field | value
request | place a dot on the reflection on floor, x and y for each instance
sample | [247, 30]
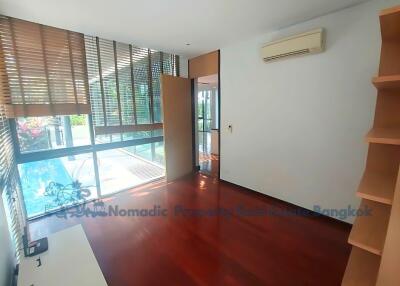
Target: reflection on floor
[236, 249]
[209, 164]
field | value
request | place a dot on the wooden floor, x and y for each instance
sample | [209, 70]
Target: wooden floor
[209, 164]
[214, 250]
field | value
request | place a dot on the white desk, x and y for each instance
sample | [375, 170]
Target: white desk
[69, 261]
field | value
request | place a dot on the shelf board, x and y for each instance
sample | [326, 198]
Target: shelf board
[377, 187]
[362, 268]
[390, 23]
[387, 82]
[369, 231]
[384, 136]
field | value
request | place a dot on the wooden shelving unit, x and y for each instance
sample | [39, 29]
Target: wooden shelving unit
[378, 187]
[369, 231]
[362, 268]
[390, 24]
[387, 82]
[389, 268]
[384, 136]
[375, 257]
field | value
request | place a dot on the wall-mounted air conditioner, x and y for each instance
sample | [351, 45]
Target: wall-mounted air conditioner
[307, 43]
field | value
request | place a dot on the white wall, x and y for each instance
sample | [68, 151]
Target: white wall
[299, 124]
[6, 257]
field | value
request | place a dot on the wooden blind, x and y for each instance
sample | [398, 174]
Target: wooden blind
[124, 83]
[6, 149]
[43, 70]
[12, 200]
[9, 188]
[161, 63]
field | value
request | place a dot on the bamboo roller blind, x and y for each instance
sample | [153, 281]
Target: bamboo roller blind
[42, 70]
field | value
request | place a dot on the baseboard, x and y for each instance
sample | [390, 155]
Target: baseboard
[262, 195]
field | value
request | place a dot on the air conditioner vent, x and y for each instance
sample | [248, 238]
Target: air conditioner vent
[295, 53]
[306, 43]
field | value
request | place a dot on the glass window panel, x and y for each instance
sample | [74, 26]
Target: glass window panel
[136, 135]
[125, 83]
[204, 142]
[158, 132]
[124, 168]
[156, 67]
[207, 125]
[201, 141]
[51, 184]
[143, 151]
[200, 124]
[52, 132]
[108, 138]
[200, 102]
[126, 136]
[141, 85]
[159, 153]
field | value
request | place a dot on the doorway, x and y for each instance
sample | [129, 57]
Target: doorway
[207, 124]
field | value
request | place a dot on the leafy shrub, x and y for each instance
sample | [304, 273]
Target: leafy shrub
[78, 120]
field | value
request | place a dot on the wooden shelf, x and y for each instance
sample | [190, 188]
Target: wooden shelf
[387, 82]
[362, 268]
[390, 261]
[377, 187]
[374, 260]
[390, 23]
[369, 231]
[384, 136]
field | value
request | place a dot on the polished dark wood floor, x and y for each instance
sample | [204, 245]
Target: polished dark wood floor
[209, 164]
[214, 250]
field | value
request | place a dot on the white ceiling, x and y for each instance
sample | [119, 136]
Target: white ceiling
[169, 24]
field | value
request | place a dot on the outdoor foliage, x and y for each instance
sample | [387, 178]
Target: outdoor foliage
[32, 134]
[77, 120]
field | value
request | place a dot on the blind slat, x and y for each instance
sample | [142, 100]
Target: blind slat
[8, 181]
[124, 85]
[43, 65]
